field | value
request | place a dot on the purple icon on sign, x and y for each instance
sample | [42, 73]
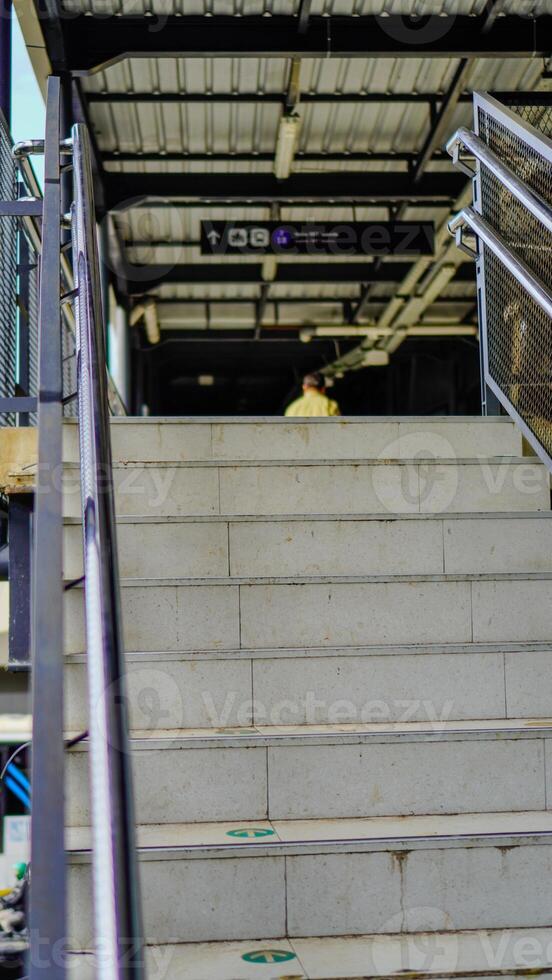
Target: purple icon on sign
[282, 237]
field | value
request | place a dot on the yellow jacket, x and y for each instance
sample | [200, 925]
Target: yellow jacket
[311, 404]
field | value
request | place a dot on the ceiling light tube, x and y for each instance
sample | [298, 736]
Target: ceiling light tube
[286, 145]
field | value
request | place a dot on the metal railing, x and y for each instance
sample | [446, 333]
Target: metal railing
[116, 901]
[75, 289]
[511, 220]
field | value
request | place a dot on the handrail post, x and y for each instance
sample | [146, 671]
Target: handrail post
[47, 915]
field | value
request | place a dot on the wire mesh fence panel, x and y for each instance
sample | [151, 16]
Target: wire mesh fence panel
[8, 275]
[516, 330]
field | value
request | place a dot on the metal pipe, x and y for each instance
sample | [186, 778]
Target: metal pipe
[116, 895]
[47, 913]
[516, 266]
[530, 199]
[6, 60]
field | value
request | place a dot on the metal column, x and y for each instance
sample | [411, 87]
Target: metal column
[47, 916]
[20, 510]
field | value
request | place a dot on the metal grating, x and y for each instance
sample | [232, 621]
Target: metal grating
[8, 275]
[33, 330]
[517, 330]
[69, 365]
[538, 116]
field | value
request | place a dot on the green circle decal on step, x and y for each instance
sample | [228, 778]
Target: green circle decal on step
[269, 956]
[250, 832]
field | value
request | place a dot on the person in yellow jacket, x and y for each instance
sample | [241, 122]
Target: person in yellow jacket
[314, 401]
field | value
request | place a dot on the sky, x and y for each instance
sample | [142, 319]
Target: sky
[28, 111]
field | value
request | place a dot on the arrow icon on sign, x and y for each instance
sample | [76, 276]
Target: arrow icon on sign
[269, 956]
[213, 236]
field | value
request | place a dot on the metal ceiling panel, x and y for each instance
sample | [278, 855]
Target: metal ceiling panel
[240, 8]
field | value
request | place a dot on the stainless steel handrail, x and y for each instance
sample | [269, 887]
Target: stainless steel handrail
[117, 915]
[537, 205]
[534, 286]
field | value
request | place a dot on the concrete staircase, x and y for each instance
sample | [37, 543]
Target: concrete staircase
[338, 640]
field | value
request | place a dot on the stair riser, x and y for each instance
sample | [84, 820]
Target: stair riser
[259, 548]
[332, 894]
[170, 441]
[305, 781]
[265, 490]
[210, 617]
[214, 694]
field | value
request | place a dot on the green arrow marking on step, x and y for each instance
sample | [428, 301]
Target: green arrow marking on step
[269, 956]
[250, 832]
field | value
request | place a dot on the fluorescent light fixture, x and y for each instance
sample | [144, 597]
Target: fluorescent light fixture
[376, 333]
[151, 322]
[375, 358]
[147, 310]
[286, 145]
[136, 314]
[206, 380]
[269, 268]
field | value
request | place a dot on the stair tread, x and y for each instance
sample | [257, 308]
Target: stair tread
[332, 733]
[483, 953]
[332, 579]
[354, 461]
[421, 649]
[281, 420]
[266, 836]
[386, 518]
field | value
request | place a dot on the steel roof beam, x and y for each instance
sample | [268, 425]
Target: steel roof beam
[437, 133]
[299, 301]
[279, 98]
[351, 157]
[439, 130]
[162, 203]
[93, 43]
[253, 98]
[124, 190]
[143, 278]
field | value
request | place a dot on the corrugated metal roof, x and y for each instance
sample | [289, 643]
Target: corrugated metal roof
[341, 126]
[240, 8]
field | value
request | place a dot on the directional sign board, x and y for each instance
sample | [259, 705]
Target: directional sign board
[317, 238]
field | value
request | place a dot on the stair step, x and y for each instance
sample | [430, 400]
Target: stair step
[325, 878]
[169, 439]
[225, 688]
[334, 771]
[192, 614]
[493, 484]
[480, 954]
[333, 545]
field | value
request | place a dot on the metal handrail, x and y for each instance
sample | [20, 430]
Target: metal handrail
[117, 914]
[534, 286]
[530, 199]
